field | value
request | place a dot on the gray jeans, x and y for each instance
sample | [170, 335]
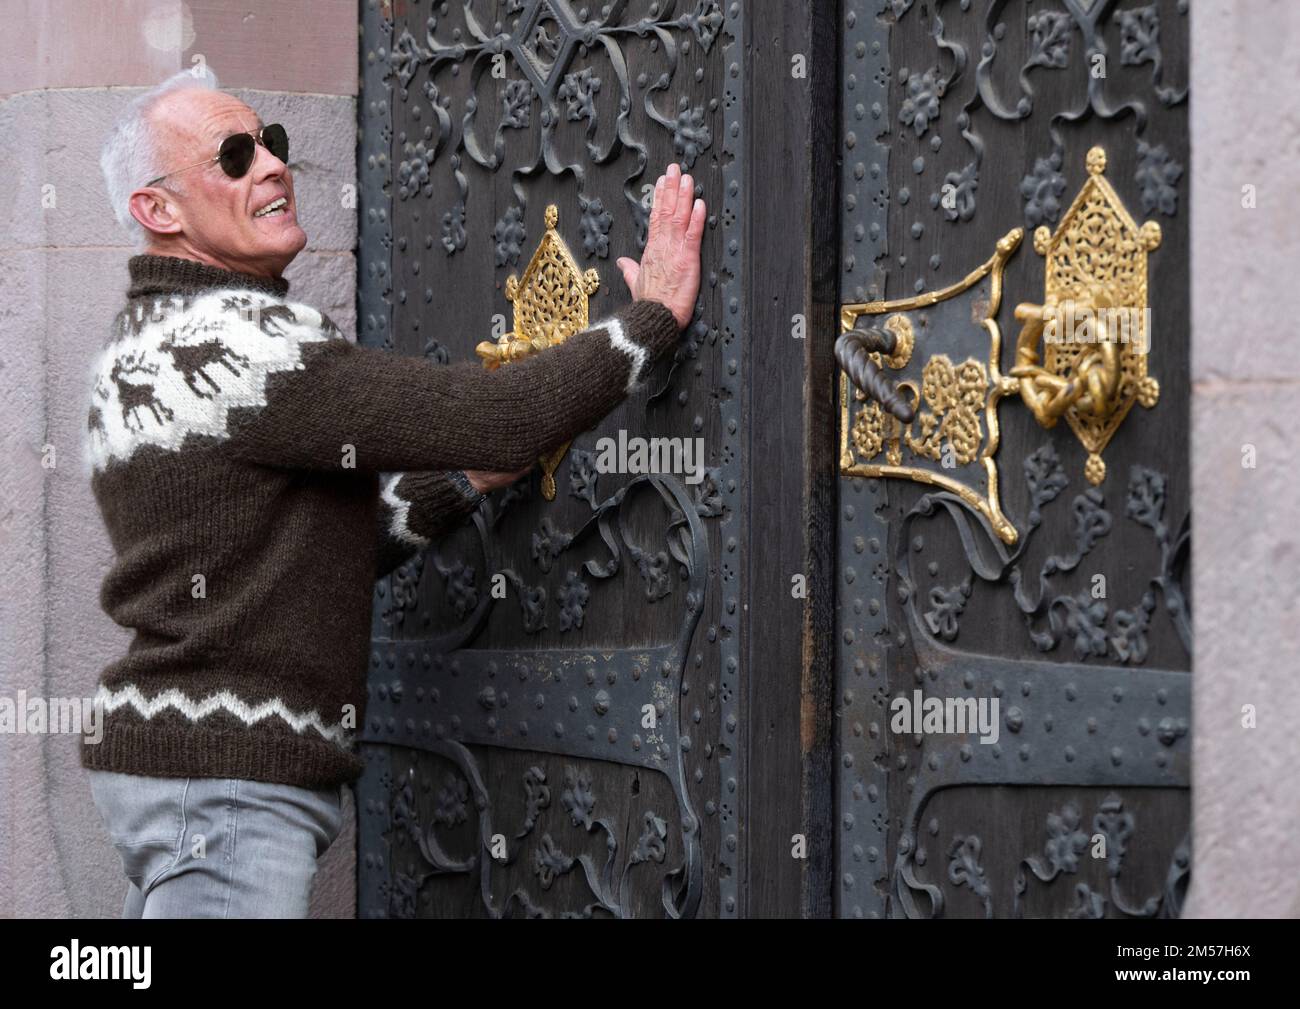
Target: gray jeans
[216, 847]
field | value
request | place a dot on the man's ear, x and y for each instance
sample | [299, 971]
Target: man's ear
[154, 209]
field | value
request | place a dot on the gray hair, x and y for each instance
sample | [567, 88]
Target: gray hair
[129, 155]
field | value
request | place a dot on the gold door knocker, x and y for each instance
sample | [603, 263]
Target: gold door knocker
[1094, 320]
[1081, 354]
[550, 305]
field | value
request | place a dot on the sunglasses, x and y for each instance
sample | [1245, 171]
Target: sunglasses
[237, 151]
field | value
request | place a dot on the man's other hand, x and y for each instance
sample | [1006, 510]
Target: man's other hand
[669, 271]
[486, 481]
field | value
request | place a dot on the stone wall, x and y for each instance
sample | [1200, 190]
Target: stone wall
[1245, 123]
[66, 70]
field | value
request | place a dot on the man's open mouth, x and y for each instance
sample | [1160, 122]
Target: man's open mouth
[276, 206]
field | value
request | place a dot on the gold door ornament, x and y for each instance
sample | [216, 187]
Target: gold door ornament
[1094, 320]
[1095, 333]
[953, 434]
[550, 305]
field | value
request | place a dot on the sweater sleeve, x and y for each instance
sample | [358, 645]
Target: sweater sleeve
[415, 509]
[344, 405]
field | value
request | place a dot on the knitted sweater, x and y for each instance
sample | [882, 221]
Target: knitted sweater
[257, 472]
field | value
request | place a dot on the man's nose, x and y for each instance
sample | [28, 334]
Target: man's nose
[265, 164]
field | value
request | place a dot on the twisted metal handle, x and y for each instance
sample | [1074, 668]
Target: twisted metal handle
[853, 350]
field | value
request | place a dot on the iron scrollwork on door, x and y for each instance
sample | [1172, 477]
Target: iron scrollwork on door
[939, 424]
[579, 706]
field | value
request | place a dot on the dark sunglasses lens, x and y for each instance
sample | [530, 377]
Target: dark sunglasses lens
[236, 154]
[277, 141]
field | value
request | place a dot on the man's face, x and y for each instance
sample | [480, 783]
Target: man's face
[214, 211]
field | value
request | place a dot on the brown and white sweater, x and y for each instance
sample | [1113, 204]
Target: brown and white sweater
[256, 472]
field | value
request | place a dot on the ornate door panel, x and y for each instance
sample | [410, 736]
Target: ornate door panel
[1013, 198]
[553, 708]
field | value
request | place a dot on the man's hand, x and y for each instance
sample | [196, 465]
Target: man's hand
[485, 481]
[669, 271]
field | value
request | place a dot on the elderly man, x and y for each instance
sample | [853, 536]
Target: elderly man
[256, 472]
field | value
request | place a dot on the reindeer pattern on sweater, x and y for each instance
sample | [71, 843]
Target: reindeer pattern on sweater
[176, 365]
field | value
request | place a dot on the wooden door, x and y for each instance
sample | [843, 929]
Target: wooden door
[908, 168]
[555, 691]
[998, 154]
